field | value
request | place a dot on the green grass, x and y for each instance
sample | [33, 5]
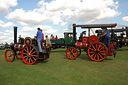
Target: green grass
[58, 70]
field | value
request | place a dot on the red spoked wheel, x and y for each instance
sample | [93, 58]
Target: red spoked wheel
[93, 39]
[9, 55]
[29, 54]
[18, 55]
[97, 51]
[79, 52]
[71, 53]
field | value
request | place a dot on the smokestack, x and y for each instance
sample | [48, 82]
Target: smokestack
[15, 34]
[127, 32]
[74, 32]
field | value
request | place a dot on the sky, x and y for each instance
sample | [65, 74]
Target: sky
[57, 16]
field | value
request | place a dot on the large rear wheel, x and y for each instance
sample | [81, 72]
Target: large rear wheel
[29, 54]
[97, 51]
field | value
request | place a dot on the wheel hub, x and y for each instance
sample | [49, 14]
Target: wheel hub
[96, 51]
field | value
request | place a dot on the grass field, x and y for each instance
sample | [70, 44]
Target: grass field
[58, 70]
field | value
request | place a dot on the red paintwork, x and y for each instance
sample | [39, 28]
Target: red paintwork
[85, 39]
[110, 52]
[70, 51]
[93, 39]
[97, 49]
[81, 45]
[9, 53]
[18, 57]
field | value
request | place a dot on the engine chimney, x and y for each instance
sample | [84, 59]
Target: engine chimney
[15, 34]
[74, 32]
[127, 32]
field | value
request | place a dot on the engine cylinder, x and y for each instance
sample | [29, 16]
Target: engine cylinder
[18, 47]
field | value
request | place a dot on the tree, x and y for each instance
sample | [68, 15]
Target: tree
[6, 45]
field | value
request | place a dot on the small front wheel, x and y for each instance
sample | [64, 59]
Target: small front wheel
[71, 53]
[9, 55]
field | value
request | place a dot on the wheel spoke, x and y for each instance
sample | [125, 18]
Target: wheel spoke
[94, 47]
[92, 55]
[100, 55]
[26, 59]
[102, 48]
[33, 52]
[34, 58]
[31, 60]
[25, 56]
[74, 54]
[91, 48]
[102, 51]
[26, 50]
[97, 56]
[34, 55]
[91, 52]
[99, 47]
[25, 53]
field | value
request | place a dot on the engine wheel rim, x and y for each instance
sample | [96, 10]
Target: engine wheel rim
[79, 52]
[9, 55]
[71, 53]
[29, 54]
[18, 55]
[97, 51]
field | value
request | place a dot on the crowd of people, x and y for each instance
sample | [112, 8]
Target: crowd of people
[40, 39]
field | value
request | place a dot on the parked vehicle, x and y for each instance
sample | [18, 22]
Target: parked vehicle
[96, 50]
[26, 49]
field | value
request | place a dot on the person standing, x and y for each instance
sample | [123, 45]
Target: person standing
[106, 37]
[52, 37]
[56, 37]
[39, 39]
[42, 37]
[48, 42]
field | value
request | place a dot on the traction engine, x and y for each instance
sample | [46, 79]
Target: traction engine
[95, 49]
[26, 49]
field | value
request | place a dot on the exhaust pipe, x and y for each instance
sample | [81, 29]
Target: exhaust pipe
[15, 34]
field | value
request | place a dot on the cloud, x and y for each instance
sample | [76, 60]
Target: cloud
[2, 38]
[6, 25]
[26, 17]
[66, 11]
[6, 4]
[26, 30]
[84, 10]
[125, 18]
